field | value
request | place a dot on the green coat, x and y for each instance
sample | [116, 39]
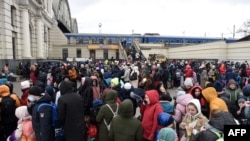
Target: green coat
[125, 127]
[105, 113]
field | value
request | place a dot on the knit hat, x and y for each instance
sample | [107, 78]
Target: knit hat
[218, 86]
[165, 119]
[241, 100]
[22, 112]
[127, 86]
[246, 90]
[167, 134]
[115, 81]
[188, 82]
[50, 90]
[35, 90]
[25, 84]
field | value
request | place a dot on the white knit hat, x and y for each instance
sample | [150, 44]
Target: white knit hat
[127, 86]
[188, 82]
[25, 84]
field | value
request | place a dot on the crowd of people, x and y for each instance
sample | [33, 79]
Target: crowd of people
[97, 101]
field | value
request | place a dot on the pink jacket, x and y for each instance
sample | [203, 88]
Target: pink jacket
[180, 109]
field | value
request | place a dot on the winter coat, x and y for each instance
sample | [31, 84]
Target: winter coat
[24, 96]
[180, 108]
[71, 112]
[105, 113]
[126, 75]
[135, 82]
[215, 103]
[24, 131]
[215, 123]
[42, 119]
[203, 78]
[203, 102]
[86, 92]
[149, 114]
[198, 120]
[125, 127]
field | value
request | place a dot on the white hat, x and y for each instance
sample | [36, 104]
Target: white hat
[127, 86]
[188, 82]
[25, 84]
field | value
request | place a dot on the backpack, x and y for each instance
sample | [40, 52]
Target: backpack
[114, 115]
[91, 131]
[133, 76]
[219, 135]
[55, 121]
[247, 112]
[8, 108]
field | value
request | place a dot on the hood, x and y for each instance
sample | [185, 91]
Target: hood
[231, 81]
[197, 104]
[22, 112]
[184, 99]
[153, 96]
[126, 108]
[66, 87]
[221, 119]
[4, 90]
[188, 67]
[110, 96]
[86, 82]
[50, 90]
[209, 94]
[45, 99]
[192, 90]
[167, 134]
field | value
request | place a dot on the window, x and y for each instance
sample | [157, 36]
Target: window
[65, 54]
[14, 35]
[13, 15]
[78, 53]
[105, 54]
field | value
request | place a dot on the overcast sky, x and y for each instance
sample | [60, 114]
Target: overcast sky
[199, 18]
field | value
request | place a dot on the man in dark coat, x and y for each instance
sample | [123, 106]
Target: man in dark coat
[71, 112]
[42, 117]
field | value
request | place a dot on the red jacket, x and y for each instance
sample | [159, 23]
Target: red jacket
[188, 71]
[150, 114]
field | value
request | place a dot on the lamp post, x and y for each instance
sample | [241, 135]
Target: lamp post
[100, 28]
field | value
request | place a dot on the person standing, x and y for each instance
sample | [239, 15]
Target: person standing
[41, 117]
[71, 112]
[150, 109]
[125, 127]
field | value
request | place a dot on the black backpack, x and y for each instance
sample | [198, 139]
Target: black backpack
[133, 76]
[8, 108]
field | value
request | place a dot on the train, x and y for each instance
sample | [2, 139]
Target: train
[126, 39]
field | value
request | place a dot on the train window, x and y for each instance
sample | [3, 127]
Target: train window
[188, 41]
[199, 41]
[177, 41]
[171, 41]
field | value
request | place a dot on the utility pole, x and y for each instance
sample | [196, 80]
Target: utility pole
[233, 31]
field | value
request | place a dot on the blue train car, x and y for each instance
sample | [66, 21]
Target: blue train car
[126, 39]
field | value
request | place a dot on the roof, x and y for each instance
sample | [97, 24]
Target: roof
[246, 38]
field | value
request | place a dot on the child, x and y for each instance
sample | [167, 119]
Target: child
[193, 120]
[240, 112]
[24, 131]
